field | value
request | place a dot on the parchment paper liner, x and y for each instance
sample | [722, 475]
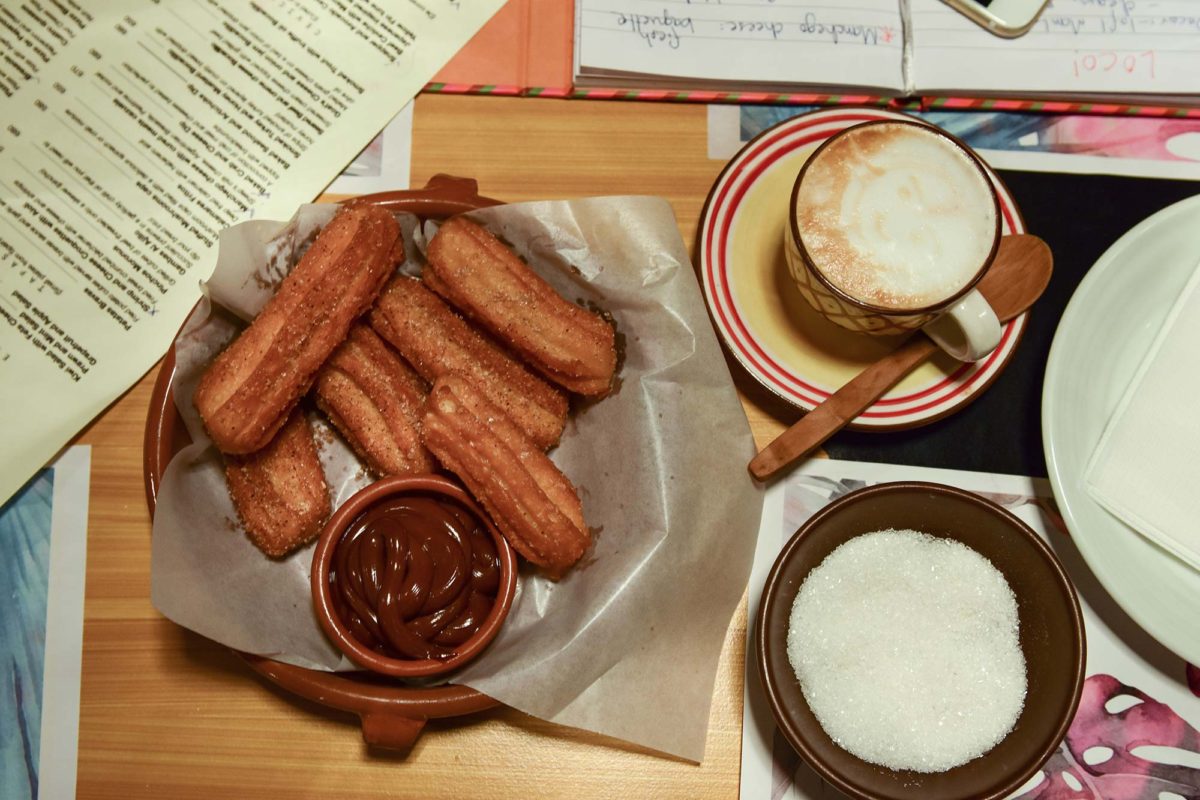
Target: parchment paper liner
[627, 644]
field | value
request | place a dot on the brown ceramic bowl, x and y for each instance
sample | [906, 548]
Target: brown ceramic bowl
[1051, 637]
[425, 485]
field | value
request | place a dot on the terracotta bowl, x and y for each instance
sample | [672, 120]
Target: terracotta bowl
[323, 556]
[1051, 638]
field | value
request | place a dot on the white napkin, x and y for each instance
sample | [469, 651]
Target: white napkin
[1146, 468]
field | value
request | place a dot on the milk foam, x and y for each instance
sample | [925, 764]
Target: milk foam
[896, 216]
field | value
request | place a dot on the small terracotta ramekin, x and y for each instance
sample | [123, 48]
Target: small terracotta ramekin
[336, 528]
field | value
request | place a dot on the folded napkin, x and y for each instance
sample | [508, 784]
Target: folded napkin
[1146, 468]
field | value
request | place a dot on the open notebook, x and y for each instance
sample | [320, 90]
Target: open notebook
[1118, 50]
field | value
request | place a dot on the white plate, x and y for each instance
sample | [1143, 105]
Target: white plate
[1104, 334]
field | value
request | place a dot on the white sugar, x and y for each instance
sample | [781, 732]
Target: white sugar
[907, 650]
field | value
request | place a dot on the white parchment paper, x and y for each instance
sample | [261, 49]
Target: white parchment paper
[626, 644]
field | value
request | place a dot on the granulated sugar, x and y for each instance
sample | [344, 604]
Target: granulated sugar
[906, 647]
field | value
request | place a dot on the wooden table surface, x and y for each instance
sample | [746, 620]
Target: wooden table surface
[166, 713]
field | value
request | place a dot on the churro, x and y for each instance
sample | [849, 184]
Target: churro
[437, 341]
[533, 504]
[485, 280]
[375, 400]
[279, 492]
[247, 393]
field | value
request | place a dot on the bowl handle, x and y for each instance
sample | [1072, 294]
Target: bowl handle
[465, 190]
[390, 731]
[443, 196]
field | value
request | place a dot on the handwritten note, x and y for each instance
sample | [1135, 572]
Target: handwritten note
[1116, 47]
[749, 41]
[1077, 49]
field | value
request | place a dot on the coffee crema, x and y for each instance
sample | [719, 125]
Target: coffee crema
[896, 216]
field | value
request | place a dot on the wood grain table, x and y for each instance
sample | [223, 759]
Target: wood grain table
[166, 713]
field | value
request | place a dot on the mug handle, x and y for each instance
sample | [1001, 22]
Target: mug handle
[968, 330]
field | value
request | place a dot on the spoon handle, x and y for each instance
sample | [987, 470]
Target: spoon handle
[815, 427]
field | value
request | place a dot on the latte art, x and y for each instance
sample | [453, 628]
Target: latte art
[896, 216]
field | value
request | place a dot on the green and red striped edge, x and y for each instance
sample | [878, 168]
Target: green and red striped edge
[789, 98]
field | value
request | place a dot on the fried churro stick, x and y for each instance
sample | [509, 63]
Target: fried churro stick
[375, 400]
[279, 492]
[480, 276]
[246, 394]
[436, 341]
[533, 504]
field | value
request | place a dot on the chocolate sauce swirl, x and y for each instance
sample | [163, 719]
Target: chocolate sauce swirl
[414, 577]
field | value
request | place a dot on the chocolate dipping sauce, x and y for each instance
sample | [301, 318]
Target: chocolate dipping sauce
[414, 576]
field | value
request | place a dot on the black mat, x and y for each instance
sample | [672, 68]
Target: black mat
[1079, 216]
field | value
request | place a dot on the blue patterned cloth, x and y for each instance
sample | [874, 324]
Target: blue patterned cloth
[24, 577]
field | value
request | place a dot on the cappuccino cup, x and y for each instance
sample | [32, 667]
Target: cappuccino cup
[892, 224]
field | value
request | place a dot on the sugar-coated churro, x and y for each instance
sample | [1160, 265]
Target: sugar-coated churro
[437, 341]
[533, 504]
[481, 277]
[247, 393]
[375, 400]
[279, 492]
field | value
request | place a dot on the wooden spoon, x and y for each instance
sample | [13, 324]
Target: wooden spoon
[1014, 282]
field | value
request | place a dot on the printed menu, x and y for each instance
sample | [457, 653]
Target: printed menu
[133, 133]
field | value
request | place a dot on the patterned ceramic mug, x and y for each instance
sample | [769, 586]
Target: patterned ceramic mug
[892, 224]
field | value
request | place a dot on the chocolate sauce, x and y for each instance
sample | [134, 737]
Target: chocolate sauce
[414, 576]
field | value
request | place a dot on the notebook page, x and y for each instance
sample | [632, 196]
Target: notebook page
[1077, 47]
[857, 43]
